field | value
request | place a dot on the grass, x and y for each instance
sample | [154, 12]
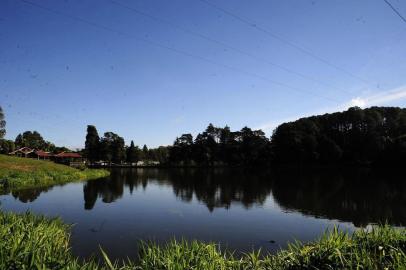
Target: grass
[35, 242]
[22, 173]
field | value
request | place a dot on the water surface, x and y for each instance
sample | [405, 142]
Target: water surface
[239, 209]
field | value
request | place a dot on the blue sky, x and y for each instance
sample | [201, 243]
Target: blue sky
[151, 70]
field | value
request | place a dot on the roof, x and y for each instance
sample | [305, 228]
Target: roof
[41, 153]
[68, 155]
[25, 150]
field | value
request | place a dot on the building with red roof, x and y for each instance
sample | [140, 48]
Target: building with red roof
[39, 154]
[69, 158]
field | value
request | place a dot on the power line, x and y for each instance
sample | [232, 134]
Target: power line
[205, 37]
[160, 45]
[283, 40]
[395, 10]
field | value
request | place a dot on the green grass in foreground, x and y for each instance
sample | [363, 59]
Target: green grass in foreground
[32, 242]
[22, 173]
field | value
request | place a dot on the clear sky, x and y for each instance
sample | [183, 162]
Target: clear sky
[151, 70]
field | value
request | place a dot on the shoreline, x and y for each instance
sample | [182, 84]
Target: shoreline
[27, 239]
[22, 173]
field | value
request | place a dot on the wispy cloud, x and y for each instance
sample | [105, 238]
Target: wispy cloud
[382, 98]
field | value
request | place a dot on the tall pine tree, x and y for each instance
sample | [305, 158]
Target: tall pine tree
[132, 153]
[92, 144]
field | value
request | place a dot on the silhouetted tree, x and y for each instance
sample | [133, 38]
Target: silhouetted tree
[221, 146]
[2, 124]
[92, 144]
[355, 136]
[6, 146]
[112, 148]
[376, 135]
[145, 153]
[132, 153]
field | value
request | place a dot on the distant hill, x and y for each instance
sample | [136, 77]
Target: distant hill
[373, 136]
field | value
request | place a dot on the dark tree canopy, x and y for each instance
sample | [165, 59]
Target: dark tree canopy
[6, 146]
[221, 146]
[376, 135]
[373, 136]
[92, 144]
[112, 148]
[132, 153]
[33, 140]
[2, 124]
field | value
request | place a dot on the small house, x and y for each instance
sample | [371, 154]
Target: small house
[22, 152]
[69, 158]
[39, 154]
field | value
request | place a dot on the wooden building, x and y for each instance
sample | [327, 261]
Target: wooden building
[42, 155]
[69, 158]
[22, 152]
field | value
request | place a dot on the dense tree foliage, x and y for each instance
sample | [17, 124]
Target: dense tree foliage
[6, 146]
[145, 153]
[374, 135]
[92, 144]
[33, 140]
[132, 153]
[2, 124]
[159, 154]
[221, 146]
[112, 148]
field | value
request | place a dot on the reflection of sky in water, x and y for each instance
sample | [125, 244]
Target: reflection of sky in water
[151, 211]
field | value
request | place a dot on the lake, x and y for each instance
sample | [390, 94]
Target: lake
[239, 209]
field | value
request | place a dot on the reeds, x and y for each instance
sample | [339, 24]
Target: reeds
[35, 242]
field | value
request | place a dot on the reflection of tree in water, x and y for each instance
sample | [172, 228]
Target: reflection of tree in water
[360, 197]
[109, 189]
[29, 195]
[216, 188]
[219, 187]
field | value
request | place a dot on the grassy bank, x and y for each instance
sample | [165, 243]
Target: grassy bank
[21, 173]
[31, 242]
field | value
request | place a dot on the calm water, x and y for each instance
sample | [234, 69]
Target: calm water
[238, 209]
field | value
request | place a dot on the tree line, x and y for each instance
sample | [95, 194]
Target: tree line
[376, 135]
[111, 148]
[372, 136]
[221, 146]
